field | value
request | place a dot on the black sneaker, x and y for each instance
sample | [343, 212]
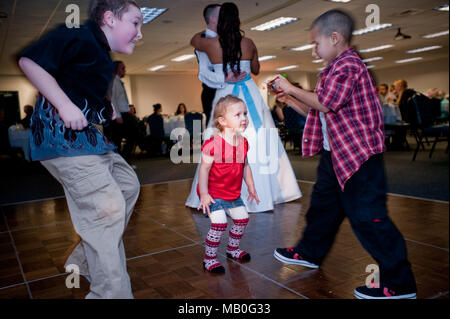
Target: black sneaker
[383, 293]
[290, 256]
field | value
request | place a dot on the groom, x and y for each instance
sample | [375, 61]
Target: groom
[211, 81]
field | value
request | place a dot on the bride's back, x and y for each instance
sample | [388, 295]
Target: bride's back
[247, 47]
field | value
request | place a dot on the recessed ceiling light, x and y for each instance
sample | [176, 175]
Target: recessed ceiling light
[377, 27]
[303, 47]
[266, 57]
[320, 69]
[150, 14]
[158, 67]
[377, 58]
[434, 35]
[289, 67]
[433, 47]
[370, 66]
[273, 24]
[183, 57]
[409, 60]
[381, 47]
[442, 8]
[317, 61]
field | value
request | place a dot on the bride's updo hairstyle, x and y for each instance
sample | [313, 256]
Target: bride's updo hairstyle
[230, 36]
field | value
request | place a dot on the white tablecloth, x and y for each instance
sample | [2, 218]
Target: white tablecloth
[176, 121]
[20, 137]
[391, 114]
[172, 122]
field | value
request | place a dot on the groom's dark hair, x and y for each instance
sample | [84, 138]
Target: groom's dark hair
[208, 11]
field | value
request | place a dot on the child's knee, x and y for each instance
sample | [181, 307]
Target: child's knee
[239, 213]
[112, 207]
[218, 217]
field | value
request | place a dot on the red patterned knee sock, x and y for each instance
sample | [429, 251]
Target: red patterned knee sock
[236, 233]
[212, 245]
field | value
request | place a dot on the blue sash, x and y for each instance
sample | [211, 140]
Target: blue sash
[248, 100]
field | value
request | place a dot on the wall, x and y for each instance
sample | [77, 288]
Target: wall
[169, 90]
[27, 92]
[420, 76]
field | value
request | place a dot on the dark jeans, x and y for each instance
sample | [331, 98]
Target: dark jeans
[363, 201]
[208, 95]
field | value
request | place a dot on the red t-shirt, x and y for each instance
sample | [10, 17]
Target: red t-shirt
[227, 170]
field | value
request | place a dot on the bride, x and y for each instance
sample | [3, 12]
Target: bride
[274, 177]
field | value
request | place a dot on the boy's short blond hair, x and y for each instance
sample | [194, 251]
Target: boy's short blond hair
[98, 7]
[221, 108]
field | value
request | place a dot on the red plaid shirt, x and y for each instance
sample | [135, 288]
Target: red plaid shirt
[355, 121]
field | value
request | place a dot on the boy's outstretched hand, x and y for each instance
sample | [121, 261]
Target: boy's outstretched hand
[205, 201]
[282, 86]
[252, 196]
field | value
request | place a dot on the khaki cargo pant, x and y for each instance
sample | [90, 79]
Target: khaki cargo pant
[101, 191]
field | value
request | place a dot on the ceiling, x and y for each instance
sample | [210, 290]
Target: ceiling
[168, 36]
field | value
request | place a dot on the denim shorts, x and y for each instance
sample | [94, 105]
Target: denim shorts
[225, 204]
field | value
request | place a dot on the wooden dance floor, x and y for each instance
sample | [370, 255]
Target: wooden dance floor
[164, 247]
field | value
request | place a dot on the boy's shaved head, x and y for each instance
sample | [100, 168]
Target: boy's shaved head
[334, 21]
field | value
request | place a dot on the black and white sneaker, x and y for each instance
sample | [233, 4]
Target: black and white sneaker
[383, 293]
[290, 256]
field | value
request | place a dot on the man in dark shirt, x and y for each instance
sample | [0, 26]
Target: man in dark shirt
[28, 109]
[404, 94]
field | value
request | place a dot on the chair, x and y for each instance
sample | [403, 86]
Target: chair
[422, 118]
[189, 120]
[155, 139]
[294, 124]
[436, 107]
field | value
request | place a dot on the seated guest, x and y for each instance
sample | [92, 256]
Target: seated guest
[432, 93]
[386, 98]
[392, 91]
[181, 110]
[403, 95]
[28, 109]
[277, 112]
[444, 104]
[156, 124]
[156, 121]
[435, 102]
[130, 131]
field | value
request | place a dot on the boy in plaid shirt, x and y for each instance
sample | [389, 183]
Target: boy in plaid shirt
[345, 124]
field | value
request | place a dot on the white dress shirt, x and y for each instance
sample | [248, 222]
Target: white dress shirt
[326, 142]
[119, 97]
[206, 74]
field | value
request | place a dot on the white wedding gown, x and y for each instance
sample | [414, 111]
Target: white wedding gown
[273, 175]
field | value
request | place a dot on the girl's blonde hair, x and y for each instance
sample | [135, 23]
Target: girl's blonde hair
[221, 108]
